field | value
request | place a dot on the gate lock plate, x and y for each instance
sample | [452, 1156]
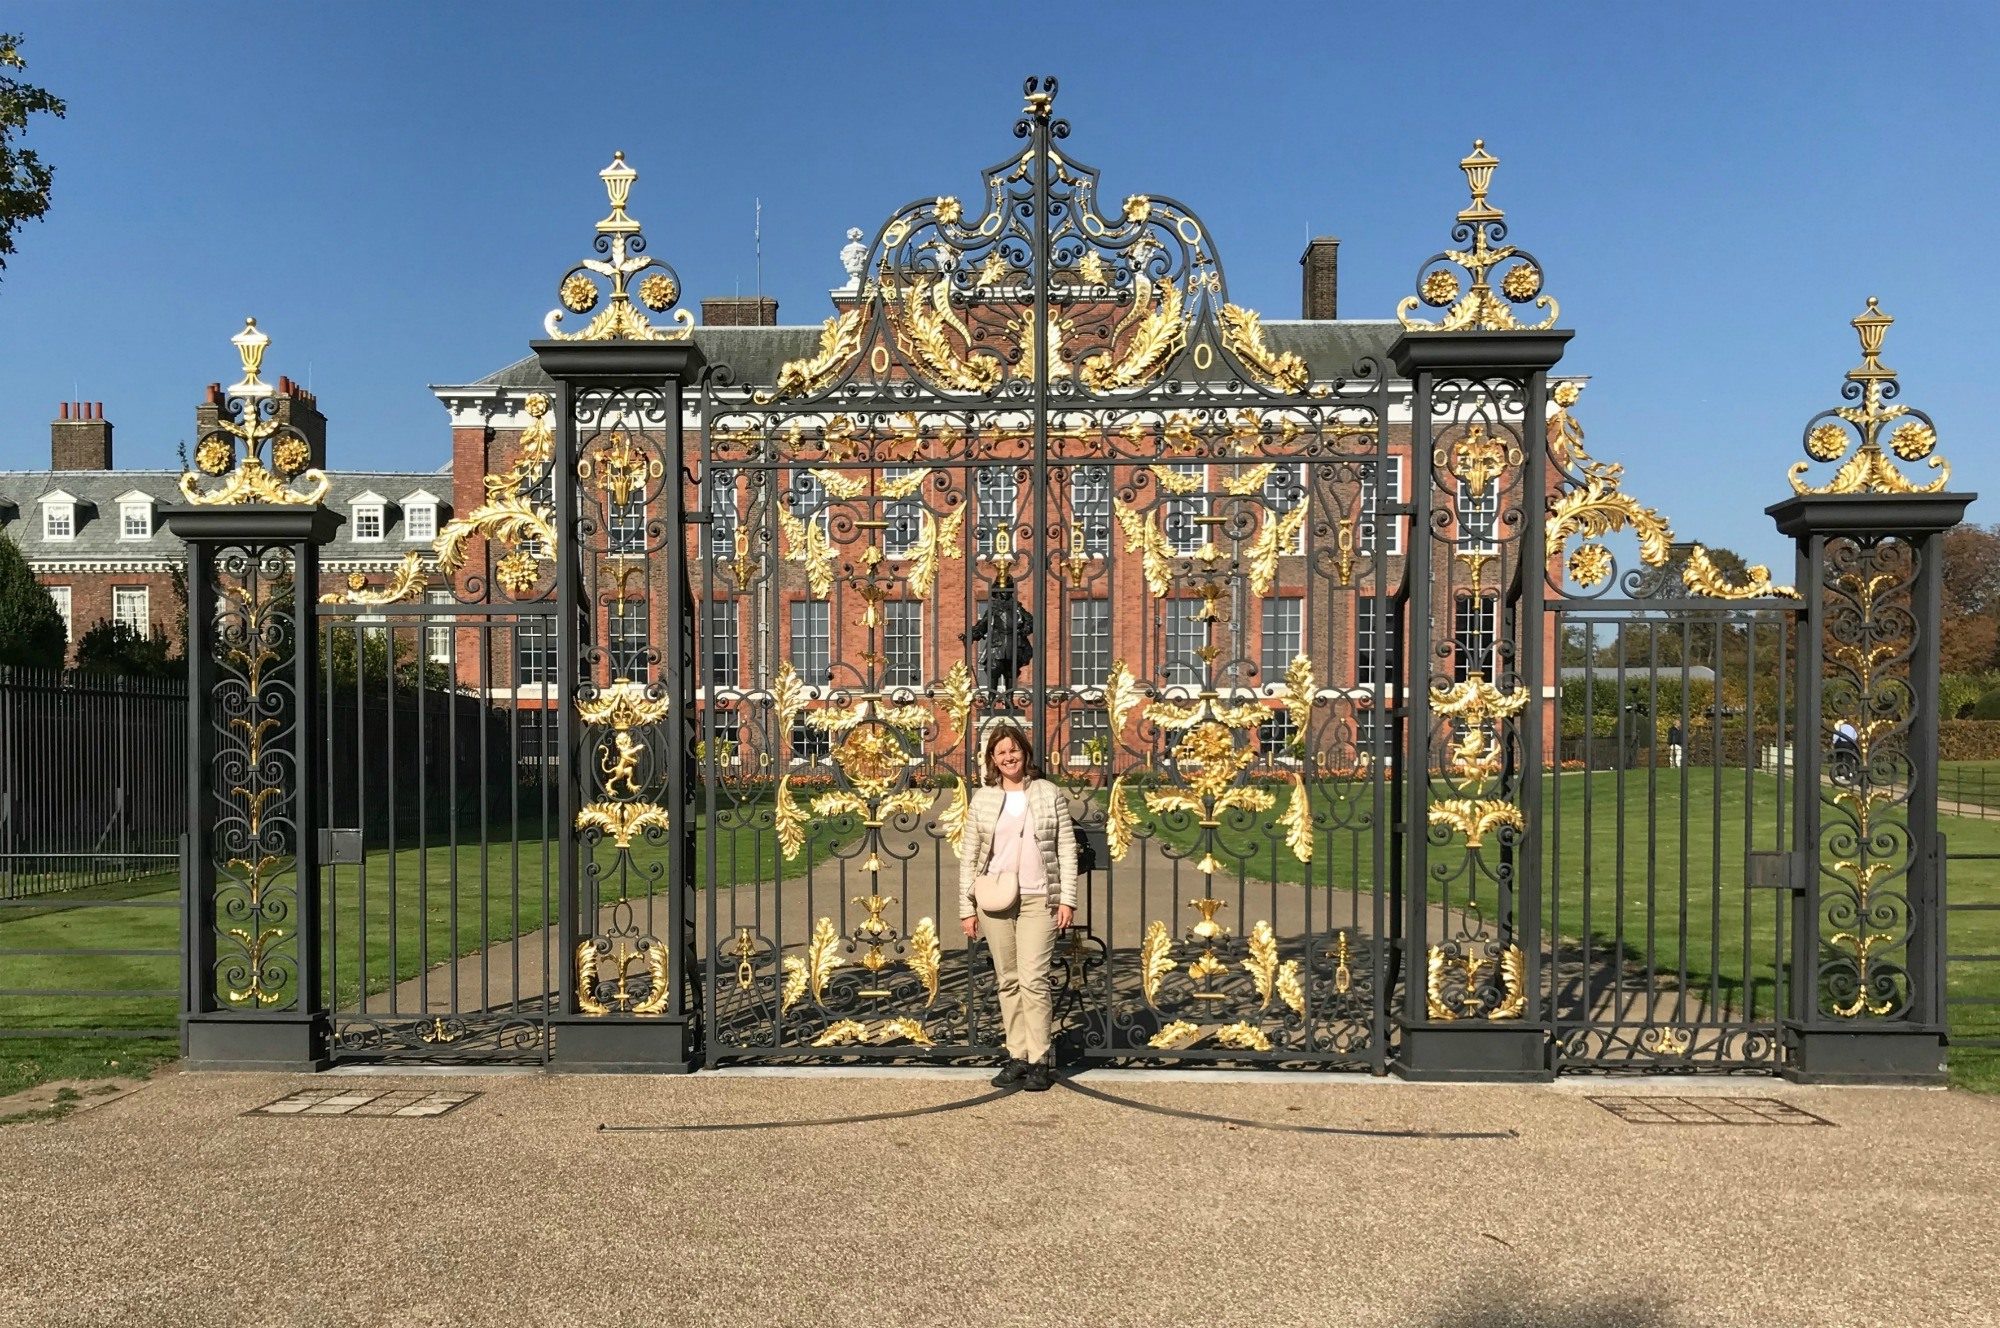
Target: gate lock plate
[1772, 871]
[339, 848]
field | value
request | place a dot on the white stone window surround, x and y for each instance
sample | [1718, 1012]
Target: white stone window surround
[135, 516]
[65, 598]
[368, 518]
[59, 516]
[420, 517]
[133, 606]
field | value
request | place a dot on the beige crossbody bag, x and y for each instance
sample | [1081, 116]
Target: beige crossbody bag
[996, 892]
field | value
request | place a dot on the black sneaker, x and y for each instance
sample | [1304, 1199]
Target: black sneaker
[1011, 1073]
[1040, 1076]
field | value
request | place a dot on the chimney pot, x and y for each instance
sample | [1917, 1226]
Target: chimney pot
[80, 438]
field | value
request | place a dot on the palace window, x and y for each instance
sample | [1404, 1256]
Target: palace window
[630, 637]
[1283, 635]
[1182, 518]
[1374, 634]
[420, 520]
[809, 745]
[63, 597]
[724, 647]
[133, 606]
[1090, 508]
[135, 520]
[809, 654]
[438, 635]
[1284, 490]
[1186, 635]
[1089, 642]
[534, 651]
[59, 518]
[1478, 513]
[999, 493]
[625, 523]
[1373, 497]
[1274, 738]
[728, 736]
[904, 517]
[541, 496]
[903, 642]
[369, 519]
[1476, 636]
[722, 514]
[1089, 734]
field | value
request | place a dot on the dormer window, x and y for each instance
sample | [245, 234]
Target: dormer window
[420, 517]
[135, 516]
[368, 516]
[59, 517]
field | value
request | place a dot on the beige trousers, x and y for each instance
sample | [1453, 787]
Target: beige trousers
[1022, 939]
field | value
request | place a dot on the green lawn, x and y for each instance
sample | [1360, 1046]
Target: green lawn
[1971, 783]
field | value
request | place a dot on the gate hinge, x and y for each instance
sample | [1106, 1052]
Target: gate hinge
[1774, 871]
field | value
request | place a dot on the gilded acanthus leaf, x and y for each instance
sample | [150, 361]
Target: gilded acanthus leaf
[1164, 801]
[897, 490]
[956, 694]
[836, 720]
[1180, 1033]
[806, 544]
[1174, 481]
[1242, 715]
[911, 719]
[510, 519]
[1150, 542]
[1148, 339]
[1478, 699]
[839, 345]
[939, 541]
[1122, 694]
[1261, 963]
[926, 958]
[1290, 989]
[1598, 508]
[1243, 334]
[1297, 821]
[1167, 715]
[1277, 536]
[1119, 821]
[842, 1033]
[1155, 960]
[1300, 689]
[842, 484]
[586, 979]
[811, 971]
[952, 819]
[840, 802]
[1476, 818]
[1243, 1034]
[1513, 983]
[407, 585]
[789, 820]
[1434, 1002]
[1246, 798]
[657, 989]
[909, 802]
[931, 334]
[622, 821]
[1701, 576]
[1244, 483]
[788, 695]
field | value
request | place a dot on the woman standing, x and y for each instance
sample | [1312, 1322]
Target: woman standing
[1017, 872]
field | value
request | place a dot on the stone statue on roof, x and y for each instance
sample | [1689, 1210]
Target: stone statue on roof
[854, 257]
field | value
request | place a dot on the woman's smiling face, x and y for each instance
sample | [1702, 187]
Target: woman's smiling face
[1009, 759]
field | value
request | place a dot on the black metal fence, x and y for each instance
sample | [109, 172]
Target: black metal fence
[93, 803]
[93, 774]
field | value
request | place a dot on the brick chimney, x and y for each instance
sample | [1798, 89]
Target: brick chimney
[80, 437]
[740, 311]
[294, 406]
[1321, 262]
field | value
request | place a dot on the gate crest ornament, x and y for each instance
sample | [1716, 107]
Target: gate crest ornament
[622, 242]
[1831, 433]
[244, 476]
[1478, 308]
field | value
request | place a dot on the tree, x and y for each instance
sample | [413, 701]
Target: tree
[24, 177]
[1969, 635]
[115, 647]
[31, 626]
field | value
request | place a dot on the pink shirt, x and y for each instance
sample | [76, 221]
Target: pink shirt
[1014, 846]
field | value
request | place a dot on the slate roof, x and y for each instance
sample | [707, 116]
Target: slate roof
[1330, 349]
[98, 536]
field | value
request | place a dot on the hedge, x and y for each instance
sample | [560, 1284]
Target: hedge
[1969, 740]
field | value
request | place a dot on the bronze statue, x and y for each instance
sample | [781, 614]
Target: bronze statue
[1005, 632]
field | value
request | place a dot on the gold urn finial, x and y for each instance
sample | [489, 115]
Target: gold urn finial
[1478, 168]
[250, 347]
[1871, 325]
[618, 178]
[1041, 97]
[1832, 433]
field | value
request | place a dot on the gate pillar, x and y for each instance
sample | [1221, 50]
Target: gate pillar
[1867, 966]
[253, 526]
[1474, 697]
[626, 728]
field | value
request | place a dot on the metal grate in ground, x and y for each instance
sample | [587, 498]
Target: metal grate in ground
[1707, 1111]
[360, 1102]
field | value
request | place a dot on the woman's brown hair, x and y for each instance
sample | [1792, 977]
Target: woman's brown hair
[1031, 770]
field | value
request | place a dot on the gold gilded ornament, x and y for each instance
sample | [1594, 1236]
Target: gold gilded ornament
[1243, 334]
[1480, 309]
[620, 240]
[245, 479]
[839, 347]
[1150, 336]
[1155, 960]
[811, 972]
[1147, 540]
[1869, 469]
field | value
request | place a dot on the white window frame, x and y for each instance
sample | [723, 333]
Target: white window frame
[378, 512]
[123, 595]
[997, 491]
[1090, 508]
[724, 519]
[439, 629]
[723, 633]
[1181, 661]
[1275, 606]
[801, 615]
[65, 598]
[625, 648]
[420, 522]
[1284, 490]
[1089, 641]
[1479, 518]
[1180, 517]
[63, 509]
[1371, 503]
[903, 518]
[135, 518]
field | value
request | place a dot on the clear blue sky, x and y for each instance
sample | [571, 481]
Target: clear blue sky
[394, 189]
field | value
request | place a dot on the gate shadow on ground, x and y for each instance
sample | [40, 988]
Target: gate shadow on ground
[1095, 1094]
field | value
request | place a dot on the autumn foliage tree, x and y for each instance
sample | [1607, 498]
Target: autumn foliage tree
[1970, 633]
[24, 177]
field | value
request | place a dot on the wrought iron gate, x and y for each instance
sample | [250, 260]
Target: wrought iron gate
[1028, 404]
